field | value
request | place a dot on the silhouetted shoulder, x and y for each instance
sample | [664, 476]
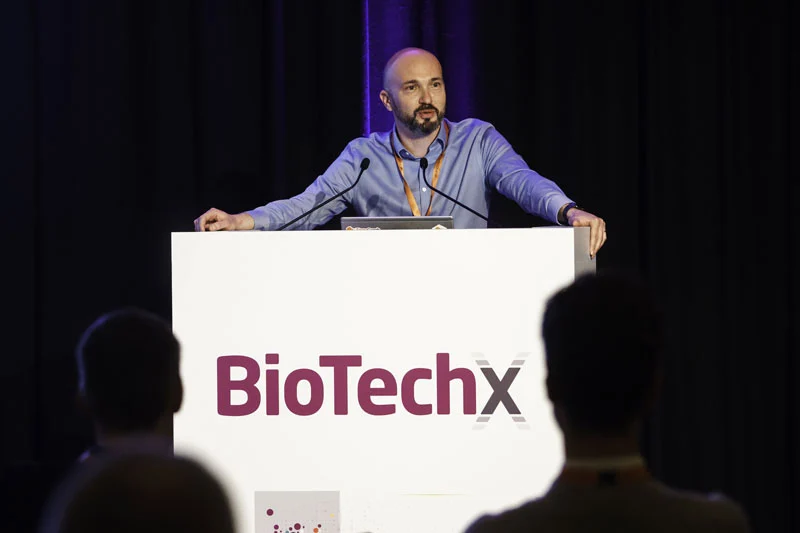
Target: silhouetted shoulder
[512, 520]
[715, 510]
[651, 507]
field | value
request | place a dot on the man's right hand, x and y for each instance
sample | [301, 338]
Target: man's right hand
[216, 220]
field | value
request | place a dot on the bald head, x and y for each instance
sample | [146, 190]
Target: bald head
[400, 62]
[413, 90]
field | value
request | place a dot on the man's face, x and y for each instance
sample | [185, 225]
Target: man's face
[416, 94]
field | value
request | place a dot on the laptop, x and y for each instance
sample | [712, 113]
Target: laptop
[367, 223]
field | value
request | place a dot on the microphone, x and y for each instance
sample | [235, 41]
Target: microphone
[364, 166]
[423, 163]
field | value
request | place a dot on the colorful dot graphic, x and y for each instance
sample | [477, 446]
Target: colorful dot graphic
[297, 527]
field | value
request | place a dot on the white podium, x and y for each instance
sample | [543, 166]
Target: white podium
[369, 381]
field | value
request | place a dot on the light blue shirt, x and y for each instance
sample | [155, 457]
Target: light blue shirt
[477, 160]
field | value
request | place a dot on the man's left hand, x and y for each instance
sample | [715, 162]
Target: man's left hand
[597, 228]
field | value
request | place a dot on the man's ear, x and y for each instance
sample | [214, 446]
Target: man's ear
[554, 394]
[177, 395]
[386, 99]
[552, 388]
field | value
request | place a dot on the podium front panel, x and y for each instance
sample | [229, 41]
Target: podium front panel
[381, 381]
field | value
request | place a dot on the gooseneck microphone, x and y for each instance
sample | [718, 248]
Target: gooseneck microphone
[364, 166]
[423, 163]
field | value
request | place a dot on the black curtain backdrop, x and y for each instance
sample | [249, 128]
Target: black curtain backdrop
[675, 120]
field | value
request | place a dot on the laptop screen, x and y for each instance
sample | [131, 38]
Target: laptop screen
[367, 223]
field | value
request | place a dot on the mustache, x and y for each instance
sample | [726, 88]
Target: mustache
[426, 107]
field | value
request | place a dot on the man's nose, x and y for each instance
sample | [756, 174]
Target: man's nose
[425, 96]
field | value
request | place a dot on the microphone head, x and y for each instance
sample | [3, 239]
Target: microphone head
[423, 163]
[365, 163]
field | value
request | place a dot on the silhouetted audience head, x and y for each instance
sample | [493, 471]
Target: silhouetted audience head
[128, 367]
[602, 337]
[140, 494]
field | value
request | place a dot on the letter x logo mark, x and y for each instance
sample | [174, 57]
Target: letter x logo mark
[500, 391]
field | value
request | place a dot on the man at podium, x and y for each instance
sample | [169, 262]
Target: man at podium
[404, 168]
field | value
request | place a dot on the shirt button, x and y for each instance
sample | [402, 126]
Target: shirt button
[424, 189]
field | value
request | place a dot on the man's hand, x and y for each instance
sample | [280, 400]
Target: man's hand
[216, 220]
[597, 228]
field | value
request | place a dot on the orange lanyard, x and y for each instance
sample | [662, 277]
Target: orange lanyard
[437, 167]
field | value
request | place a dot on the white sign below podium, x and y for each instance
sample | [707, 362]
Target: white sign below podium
[369, 381]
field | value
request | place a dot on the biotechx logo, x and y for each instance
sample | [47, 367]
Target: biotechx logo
[338, 373]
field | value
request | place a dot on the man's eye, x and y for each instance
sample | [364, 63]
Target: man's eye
[411, 87]
[437, 84]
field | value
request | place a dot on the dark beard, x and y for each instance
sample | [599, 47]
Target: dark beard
[426, 126]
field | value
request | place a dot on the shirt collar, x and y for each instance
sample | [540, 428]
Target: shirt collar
[436, 147]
